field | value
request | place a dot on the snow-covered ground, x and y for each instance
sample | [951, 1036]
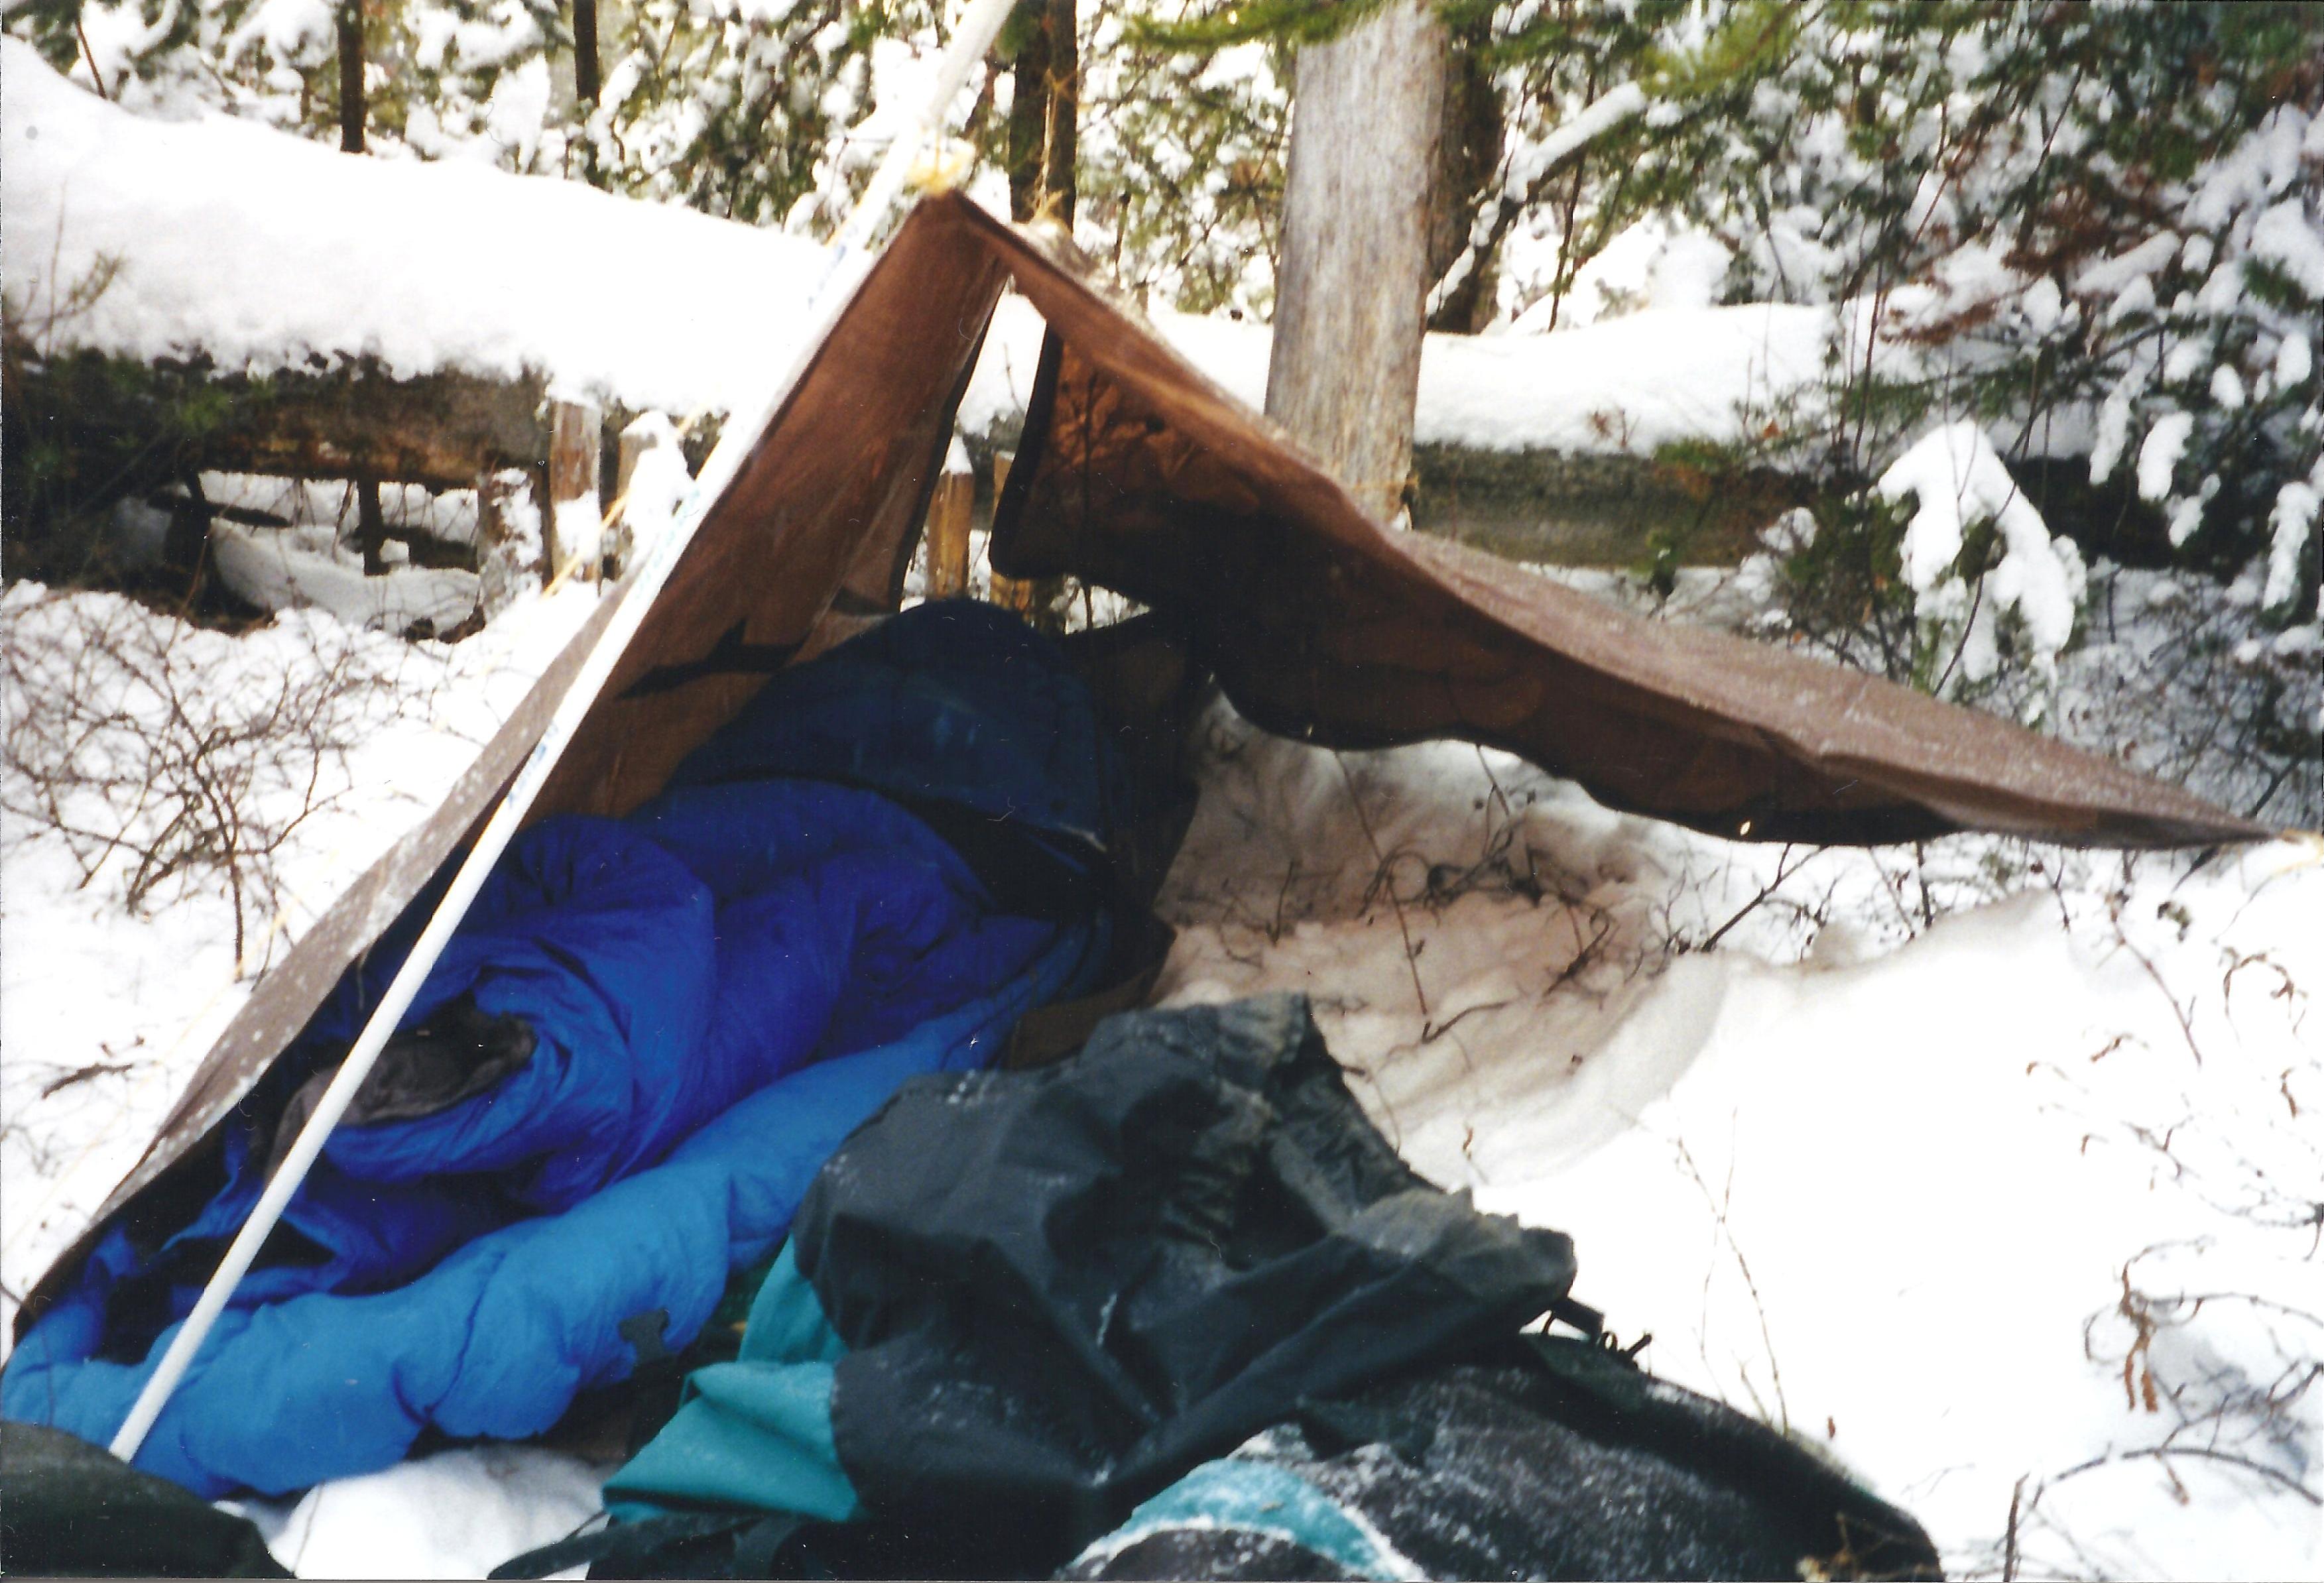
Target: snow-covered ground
[127, 941]
[1993, 1169]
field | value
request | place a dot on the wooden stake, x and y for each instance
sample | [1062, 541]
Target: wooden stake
[575, 522]
[1007, 591]
[949, 510]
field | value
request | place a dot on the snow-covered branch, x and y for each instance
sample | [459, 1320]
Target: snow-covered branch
[1528, 168]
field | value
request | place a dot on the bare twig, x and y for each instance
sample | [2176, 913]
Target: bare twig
[90, 55]
[1411, 951]
[2178, 1012]
[2163, 1453]
[83, 1075]
[1431, 1032]
[1785, 869]
[154, 759]
[1719, 1207]
[2009, 1537]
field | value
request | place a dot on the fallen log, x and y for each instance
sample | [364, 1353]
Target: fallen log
[154, 425]
[351, 420]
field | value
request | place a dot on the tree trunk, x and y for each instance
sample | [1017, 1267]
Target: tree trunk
[1044, 116]
[1045, 112]
[352, 108]
[588, 80]
[371, 527]
[1467, 160]
[1368, 120]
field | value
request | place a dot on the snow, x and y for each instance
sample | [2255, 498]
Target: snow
[1003, 381]
[1614, 278]
[1629, 384]
[659, 483]
[1889, 1141]
[107, 1003]
[263, 251]
[2295, 359]
[2158, 459]
[448, 515]
[2141, 263]
[1903, 1203]
[579, 526]
[2113, 432]
[1910, 1189]
[1480, 1103]
[1525, 164]
[300, 32]
[1651, 265]
[1602, 116]
[1689, 273]
[456, 1514]
[1956, 479]
[1900, 1151]
[260, 249]
[2293, 518]
[2285, 237]
[284, 571]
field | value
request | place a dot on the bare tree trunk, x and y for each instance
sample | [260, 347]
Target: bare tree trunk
[351, 106]
[1466, 159]
[1368, 119]
[371, 527]
[1044, 116]
[1045, 112]
[588, 81]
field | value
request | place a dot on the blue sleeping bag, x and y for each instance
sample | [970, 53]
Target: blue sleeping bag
[717, 989]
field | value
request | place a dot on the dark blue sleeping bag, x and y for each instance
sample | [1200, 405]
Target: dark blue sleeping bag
[717, 989]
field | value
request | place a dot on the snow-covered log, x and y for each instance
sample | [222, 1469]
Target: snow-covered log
[388, 318]
[445, 428]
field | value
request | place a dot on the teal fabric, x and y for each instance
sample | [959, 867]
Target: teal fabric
[756, 1432]
[1262, 1497]
[787, 1323]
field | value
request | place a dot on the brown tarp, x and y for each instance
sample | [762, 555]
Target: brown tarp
[1139, 474]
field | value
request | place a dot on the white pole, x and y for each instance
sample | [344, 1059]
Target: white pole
[969, 44]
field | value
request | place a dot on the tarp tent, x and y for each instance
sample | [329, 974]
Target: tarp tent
[1137, 473]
